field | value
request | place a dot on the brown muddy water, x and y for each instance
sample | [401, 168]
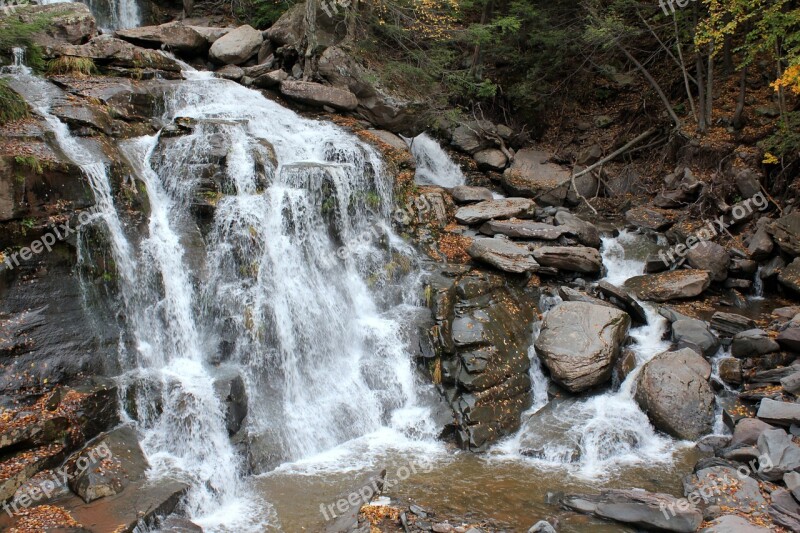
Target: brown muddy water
[466, 485]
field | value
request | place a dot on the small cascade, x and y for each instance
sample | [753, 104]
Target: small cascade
[758, 285]
[110, 14]
[434, 166]
[17, 65]
[596, 436]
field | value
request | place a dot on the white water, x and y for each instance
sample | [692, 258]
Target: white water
[110, 14]
[758, 285]
[594, 437]
[434, 166]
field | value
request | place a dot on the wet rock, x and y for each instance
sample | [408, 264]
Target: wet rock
[676, 398]
[729, 324]
[173, 36]
[523, 229]
[733, 524]
[494, 209]
[667, 286]
[783, 454]
[532, 176]
[623, 300]
[175, 524]
[237, 46]
[753, 343]
[772, 268]
[230, 389]
[789, 276]
[786, 233]
[789, 339]
[694, 334]
[730, 371]
[638, 508]
[580, 343]
[571, 295]
[491, 159]
[464, 194]
[722, 486]
[541, 526]
[779, 413]
[570, 258]
[651, 218]
[504, 255]
[471, 137]
[107, 465]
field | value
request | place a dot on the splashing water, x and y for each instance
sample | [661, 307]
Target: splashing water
[434, 166]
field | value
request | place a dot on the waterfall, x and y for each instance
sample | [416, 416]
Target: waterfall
[110, 14]
[758, 285]
[594, 437]
[434, 166]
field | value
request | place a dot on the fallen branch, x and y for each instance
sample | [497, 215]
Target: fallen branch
[616, 153]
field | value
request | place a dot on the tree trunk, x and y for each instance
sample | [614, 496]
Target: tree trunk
[738, 115]
[310, 39]
[710, 90]
[702, 124]
[653, 83]
[476, 69]
[685, 71]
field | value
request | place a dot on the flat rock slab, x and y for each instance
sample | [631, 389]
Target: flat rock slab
[731, 523]
[570, 258]
[464, 194]
[319, 95]
[779, 413]
[729, 324]
[531, 175]
[653, 511]
[673, 285]
[173, 36]
[651, 218]
[493, 209]
[504, 255]
[523, 229]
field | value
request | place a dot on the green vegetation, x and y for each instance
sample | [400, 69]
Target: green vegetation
[12, 105]
[15, 32]
[30, 162]
[261, 13]
[74, 66]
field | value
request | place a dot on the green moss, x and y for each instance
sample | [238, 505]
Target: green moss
[16, 33]
[30, 162]
[12, 105]
[75, 66]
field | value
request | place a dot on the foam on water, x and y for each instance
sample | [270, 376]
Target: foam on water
[434, 166]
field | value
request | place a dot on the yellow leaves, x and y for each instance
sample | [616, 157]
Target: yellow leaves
[790, 80]
[770, 159]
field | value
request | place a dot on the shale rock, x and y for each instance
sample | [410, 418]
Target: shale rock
[677, 284]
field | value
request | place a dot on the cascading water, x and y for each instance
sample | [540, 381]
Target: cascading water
[594, 437]
[288, 271]
[434, 166]
[110, 14]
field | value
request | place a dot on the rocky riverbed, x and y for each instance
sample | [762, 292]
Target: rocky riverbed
[570, 365]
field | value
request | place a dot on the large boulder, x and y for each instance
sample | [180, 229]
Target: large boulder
[710, 256]
[786, 233]
[779, 413]
[316, 94]
[651, 218]
[494, 209]
[230, 389]
[639, 508]
[584, 231]
[673, 285]
[570, 258]
[523, 229]
[504, 255]
[237, 46]
[464, 194]
[61, 23]
[580, 342]
[753, 343]
[531, 175]
[491, 159]
[110, 51]
[790, 276]
[173, 36]
[676, 398]
[782, 453]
